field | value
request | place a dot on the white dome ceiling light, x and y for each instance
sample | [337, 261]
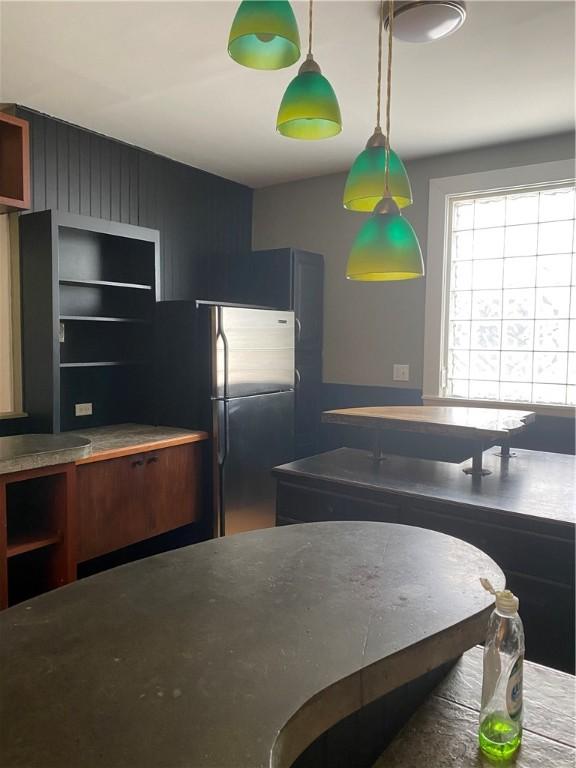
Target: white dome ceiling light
[423, 21]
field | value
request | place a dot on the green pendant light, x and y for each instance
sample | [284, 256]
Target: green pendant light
[309, 108]
[386, 247]
[264, 35]
[364, 185]
[365, 180]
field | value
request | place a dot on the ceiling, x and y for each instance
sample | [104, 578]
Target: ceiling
[157, 74]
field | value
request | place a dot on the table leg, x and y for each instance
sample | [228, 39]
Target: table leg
[505, 452]
[377, 446]
[477, 469]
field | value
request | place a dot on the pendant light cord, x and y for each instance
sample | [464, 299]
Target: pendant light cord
[389, 93]
[310, 28]
[379, 87]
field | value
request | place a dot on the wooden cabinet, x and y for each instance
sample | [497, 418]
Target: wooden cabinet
[129, 499]
[14, 163]
[36, 532]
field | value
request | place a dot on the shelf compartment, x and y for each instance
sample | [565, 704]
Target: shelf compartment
[95, 300]
[106, 284]
[93, 318]
[31, 540]
[110, 260]
[118, 393]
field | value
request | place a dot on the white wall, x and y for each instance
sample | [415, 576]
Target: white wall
[370, 326]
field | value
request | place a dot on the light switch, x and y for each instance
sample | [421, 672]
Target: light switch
[401, 372]
[83, 409]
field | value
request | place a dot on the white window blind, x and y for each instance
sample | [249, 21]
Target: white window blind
[510, 333]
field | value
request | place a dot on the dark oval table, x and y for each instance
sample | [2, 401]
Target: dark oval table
[237, 652]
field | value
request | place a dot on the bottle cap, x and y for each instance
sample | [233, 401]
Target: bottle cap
[506, 602]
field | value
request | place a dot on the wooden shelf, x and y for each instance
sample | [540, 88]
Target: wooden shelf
[96, 363]
[105, 319]
[28, 542]
[106, 284]
[14, 164]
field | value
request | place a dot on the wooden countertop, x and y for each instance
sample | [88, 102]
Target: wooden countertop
[127, 439]
[237, 652]
[443, 731]
[490, 424]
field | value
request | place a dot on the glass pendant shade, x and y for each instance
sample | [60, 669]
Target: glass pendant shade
[309, 108]
[365, 182]
[385, 248]
[264, 35]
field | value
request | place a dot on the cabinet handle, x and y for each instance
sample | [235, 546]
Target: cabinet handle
[298, 378]
[138, 463]
[152, 460]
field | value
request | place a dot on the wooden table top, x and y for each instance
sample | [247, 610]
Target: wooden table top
[458, 421]
[236, 652]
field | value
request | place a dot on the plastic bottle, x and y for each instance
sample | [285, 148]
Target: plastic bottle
[500, 731]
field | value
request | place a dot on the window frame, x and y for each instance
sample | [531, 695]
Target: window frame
[10, 257]
[441, 193]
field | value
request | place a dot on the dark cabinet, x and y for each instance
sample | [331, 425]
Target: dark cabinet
[307, 419]
[89, 287]
[308, 285]
[289, 279]
[538, 561]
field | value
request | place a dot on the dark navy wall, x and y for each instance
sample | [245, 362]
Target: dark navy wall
[200, 216]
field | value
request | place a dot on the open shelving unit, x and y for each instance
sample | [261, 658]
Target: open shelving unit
[89, 290]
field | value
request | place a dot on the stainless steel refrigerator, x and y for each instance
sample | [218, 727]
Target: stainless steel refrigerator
[230, 369]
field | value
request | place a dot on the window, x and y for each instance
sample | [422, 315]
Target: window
[10, 365]
[512, 291]
[507, 331]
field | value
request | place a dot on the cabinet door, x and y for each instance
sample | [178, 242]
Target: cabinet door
[307, 404]
[113, 510]
[308, 280]
[173, 486]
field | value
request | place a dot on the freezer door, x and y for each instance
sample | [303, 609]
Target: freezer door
[258, 435]
[254, 351]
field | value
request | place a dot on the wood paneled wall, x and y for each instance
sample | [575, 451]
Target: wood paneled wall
[200, 216]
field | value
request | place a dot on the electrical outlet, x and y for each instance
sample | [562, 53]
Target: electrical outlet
[83, 409]
[401, 372]
[61, 333]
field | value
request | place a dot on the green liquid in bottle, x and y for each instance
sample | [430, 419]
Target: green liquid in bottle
[499, 736]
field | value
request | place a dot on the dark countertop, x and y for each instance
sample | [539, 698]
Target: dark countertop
[531, 483]
[237, 652]
[22, 452]
[443, 731]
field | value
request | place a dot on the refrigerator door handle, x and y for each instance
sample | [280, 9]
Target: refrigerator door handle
[226, 357]
[222, 431]
[298, 330]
